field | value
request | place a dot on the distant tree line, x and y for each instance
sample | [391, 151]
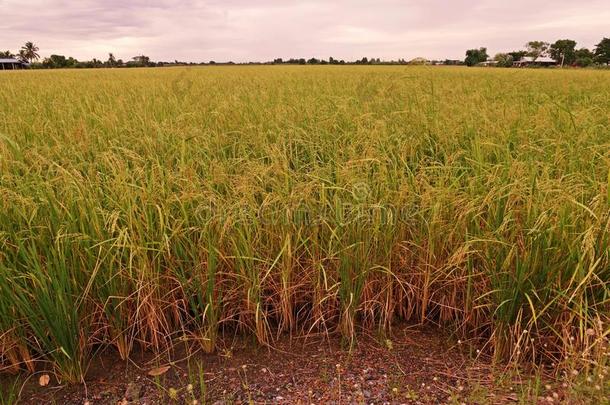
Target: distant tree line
[563, 51]
[333, 61]
[29, 54]
[63, 62]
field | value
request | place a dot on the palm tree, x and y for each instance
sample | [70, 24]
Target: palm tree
[21, 56]
[29, 51]
[7, 54]
[111, 60]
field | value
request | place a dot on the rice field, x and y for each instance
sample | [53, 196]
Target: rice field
[140, 208]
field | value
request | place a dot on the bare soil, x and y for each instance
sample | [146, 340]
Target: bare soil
[413, 366]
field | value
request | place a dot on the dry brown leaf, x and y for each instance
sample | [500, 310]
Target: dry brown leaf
[44, 380]
[158, 371]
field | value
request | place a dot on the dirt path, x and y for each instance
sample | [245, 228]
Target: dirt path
[415, 365]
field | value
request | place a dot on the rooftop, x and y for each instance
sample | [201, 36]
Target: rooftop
[541, 59]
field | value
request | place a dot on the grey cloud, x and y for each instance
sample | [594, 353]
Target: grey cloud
[259, 30]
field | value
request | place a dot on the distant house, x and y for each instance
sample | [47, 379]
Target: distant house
[541, 61]
[488, 63]
[11, 63]
[452, 62]
[419, 61]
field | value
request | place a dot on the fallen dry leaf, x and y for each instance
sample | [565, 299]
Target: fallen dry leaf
[44, 380]
[158, 371]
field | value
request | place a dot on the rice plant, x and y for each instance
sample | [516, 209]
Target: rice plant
[137, 211]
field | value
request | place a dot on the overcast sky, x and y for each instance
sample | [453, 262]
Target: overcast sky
[243, 30]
